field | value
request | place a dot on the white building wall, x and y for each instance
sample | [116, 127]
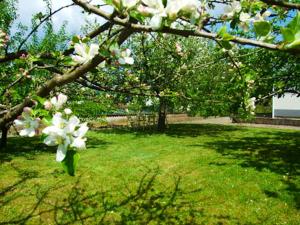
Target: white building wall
[286, 106]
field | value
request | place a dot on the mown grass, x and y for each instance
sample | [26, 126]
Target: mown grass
[192, 174]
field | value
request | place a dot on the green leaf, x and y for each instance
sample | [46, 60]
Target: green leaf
[262, 28]
[288, 34]
[86, 40]
[224, 35]
[136, 15]
[294, 44]
[75, 39]
[114, 46]
[70, 162]
[226, 44]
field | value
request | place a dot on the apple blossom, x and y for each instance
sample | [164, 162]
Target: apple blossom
[129, 3]
[261, 17]
[251, 105]
[157, 10]
[67, 111]
[233, 8]
[149, 102]
[245, 18]
[27, 124]
[84, 53]
[125, 57]
[190, 7]
[59, 100]
[65, 133]
[47, 105]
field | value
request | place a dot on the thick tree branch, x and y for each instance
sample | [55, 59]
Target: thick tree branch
[12, 56]
[58, 81]
[285, 4]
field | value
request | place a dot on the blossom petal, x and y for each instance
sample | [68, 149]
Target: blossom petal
[82, 130]
[79, 59]
[129, 60]
[93, 50]
[81, 49]
[72, 124]
[24, 132]
[61, 100]
[79, 143]
[155, 22]
[19, 123]
[61, 153]
[31, 132]
[50, 141]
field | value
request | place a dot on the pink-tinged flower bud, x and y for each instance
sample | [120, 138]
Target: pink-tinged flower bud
[23, 56]
[27, 110]
[178, 48]
[47, 105]
[35, 103]
[143, 10]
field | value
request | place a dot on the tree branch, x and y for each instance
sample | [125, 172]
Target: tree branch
[98, 87]
[285, 4]
[16, 55]
[59, 81]
[41, 22]
[198, 33]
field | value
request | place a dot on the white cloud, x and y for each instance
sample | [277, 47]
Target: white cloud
[73, 15]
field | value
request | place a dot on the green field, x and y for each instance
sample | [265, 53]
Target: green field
[192, 174]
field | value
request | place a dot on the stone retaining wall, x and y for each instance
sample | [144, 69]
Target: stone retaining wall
[277, 121]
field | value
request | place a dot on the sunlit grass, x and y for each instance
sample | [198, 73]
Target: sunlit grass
[193, 174]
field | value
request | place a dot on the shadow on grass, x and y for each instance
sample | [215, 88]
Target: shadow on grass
[279, 153]
[29, 148]
[178, 130]
[24, 147]
[144, 204]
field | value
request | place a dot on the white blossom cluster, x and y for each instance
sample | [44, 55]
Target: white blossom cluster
[3, 38]
[157, 11]
[85, 53]
[251, 105]
[245, 18]
[64, 130]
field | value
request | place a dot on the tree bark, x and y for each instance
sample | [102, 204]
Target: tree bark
[162, 115]
[3, 142]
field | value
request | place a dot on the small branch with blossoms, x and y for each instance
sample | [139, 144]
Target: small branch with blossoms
[60, 80]
[162, 16]
[58, 126]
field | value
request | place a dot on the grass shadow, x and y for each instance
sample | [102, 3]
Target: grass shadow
[24, 147]
[278, 152]
[29, 148]
[177, 130]
[144, 204]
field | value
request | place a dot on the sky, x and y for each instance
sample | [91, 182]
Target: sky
[73, 15]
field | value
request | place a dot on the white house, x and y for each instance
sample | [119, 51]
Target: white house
[286, 106]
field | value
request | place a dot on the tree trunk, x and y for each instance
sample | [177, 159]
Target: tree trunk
[162, 114]
[4, 134]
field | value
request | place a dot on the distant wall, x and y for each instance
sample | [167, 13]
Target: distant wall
[286, 106]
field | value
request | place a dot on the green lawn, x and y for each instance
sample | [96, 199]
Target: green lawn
[193, 174]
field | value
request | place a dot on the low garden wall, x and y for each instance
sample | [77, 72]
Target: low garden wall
[138, 120]
[277, 121]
